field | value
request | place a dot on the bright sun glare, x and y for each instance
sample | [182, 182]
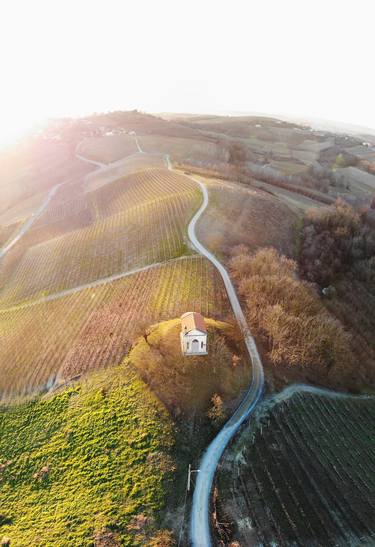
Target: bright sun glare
[13, 129]
[294, 58]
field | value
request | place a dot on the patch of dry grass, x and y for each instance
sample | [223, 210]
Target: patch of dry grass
[180, 148]
[108, 148]
[238, 215]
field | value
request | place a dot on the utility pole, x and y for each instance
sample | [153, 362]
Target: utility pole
[190, 471]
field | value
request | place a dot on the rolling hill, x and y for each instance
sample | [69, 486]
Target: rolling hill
[91, 375]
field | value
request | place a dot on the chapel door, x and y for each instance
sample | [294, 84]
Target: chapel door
[195, 346]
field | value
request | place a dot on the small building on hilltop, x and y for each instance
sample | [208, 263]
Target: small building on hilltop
[193, 334]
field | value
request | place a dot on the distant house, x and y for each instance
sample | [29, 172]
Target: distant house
[193, 334]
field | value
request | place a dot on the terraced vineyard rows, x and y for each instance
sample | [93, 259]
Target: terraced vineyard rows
[95, 327]
[140, 222]
[307, 475]
[72, 207]
[123, 193]
[139, 188]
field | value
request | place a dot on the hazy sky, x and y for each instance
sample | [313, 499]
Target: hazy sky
[306, 58]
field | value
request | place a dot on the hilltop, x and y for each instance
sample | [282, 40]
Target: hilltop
[187, 384]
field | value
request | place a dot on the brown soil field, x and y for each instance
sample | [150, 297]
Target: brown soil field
[109, 148]
[238, 215]
[180, 148]
[301, 473]
[36, 170]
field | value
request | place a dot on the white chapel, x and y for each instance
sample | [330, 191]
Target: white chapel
[193, 334]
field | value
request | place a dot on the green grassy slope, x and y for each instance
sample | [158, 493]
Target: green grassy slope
[91, 458]
[102, 458]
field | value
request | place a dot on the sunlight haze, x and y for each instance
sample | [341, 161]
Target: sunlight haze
[187, 273]
[306, 59]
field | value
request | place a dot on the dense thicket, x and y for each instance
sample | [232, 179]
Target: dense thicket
[288, 316]
[334, 242]
[337, 248]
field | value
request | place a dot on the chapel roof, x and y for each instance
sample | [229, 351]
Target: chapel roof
[192, 320]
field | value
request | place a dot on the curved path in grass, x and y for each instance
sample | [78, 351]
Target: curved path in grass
[90, 285]
[289, 391]
[34, 216]
[29, 222]
[140, 150]
[97, 163]
[200, 531]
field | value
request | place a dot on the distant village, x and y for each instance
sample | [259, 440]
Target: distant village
[64, 130]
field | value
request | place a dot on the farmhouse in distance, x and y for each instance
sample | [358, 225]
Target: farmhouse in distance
[193, 334]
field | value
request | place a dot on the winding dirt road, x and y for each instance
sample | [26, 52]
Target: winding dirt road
[200, 532]
[89, 285]
[30, 221]
[140, 150]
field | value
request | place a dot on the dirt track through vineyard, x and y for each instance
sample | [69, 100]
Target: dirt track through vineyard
[200, 522]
